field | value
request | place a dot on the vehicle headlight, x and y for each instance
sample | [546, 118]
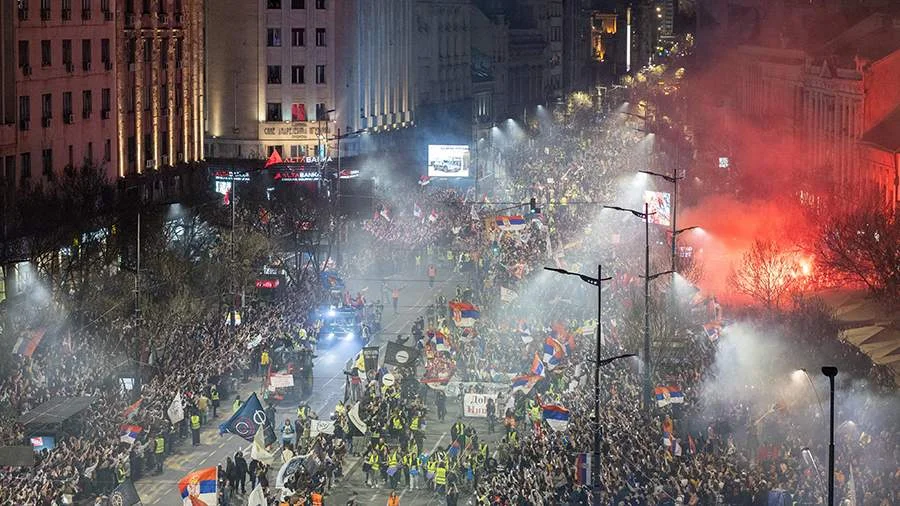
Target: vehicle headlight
[349, 336]
[330, 335]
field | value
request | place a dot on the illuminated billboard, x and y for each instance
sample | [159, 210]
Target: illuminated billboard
[659, 205]
[448, 160]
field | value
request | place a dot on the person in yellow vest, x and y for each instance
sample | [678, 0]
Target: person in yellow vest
[393, 469]
[214, 397]
[159, 452]
[371, 468]
[236, 405]
[203, 406]
[440, 478]
[264, 361]
[195, 428]
[121, 472]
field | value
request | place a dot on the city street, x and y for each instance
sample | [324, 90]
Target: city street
[328, 389]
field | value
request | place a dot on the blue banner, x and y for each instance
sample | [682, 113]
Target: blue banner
[247, 421]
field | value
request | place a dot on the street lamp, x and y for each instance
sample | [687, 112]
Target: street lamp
[830, 371]
[815, 391]
[645, 398]
[674, 180]
[598, 362]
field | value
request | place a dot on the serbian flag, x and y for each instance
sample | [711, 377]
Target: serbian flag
[130, 433]
[668, 395]
[424, 180]
[556, 416]
[464, 313]
[199, 488]
[132, 410]
[524, 383]
[274, 158]
[537, 367]
[385, 213]
[511, 223]
[553, 352]
[441, 342]
[433, 216]
[583, 469]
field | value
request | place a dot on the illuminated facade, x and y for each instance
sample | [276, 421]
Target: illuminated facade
[271, 68]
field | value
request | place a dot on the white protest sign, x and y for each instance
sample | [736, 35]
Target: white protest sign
[475, 405]
[317, 427]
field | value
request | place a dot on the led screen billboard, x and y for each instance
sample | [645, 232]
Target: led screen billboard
[448, 160]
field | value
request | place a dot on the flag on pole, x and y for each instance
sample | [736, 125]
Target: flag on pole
[668, 395]
[130, 433]
[257, 497]
[524, 383]
[132, 410]
[199, 488]
[556, 416]
[125, 494]
[176, 409]
[537, 367]
[433, 216]
[258, 449]
[553, 352]
[583, 470]
[247, 420]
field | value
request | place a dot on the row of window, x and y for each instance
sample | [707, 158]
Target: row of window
[295, 4]
[298, 37]
[298, 74]
[47, 159]
[87, 107]
[298, 112]
[145, 6]
[65, 53]
[65, 9]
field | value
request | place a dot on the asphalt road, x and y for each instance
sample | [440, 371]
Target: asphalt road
[328, 388]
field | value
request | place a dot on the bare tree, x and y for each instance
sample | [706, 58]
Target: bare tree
[862, 246]
[767, 273]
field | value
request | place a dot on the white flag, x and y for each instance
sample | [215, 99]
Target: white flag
[258, 448]
[357, 420]
[257, 497]
[317, 427]
[176, 409]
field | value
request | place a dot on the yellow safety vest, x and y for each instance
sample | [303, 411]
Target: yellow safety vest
[414, 424]
[264, 358]
[392, 460]
[398, 423]
[160, 445]
[195, 422]
[440, 476]
[214, 395]
[373, 461]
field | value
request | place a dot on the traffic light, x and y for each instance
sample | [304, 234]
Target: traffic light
[532, 204]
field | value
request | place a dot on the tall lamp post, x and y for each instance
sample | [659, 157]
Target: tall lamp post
[645, 398]
[830, 371]
[674, 178]
[598, 362]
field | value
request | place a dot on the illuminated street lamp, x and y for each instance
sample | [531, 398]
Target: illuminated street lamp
[598, 362]
[674, 180]
[645, 398]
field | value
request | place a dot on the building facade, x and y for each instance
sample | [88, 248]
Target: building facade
[271, 71]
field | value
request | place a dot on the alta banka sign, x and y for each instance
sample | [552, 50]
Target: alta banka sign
[305, 160]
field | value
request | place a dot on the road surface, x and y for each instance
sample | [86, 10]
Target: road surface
[328, 388]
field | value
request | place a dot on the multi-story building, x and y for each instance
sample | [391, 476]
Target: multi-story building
[271, 70]
[836, 102]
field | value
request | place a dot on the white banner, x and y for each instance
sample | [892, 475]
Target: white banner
[475, 405]
[176, 409]
[455, 387]
[281, 381]
[357, 420]
[317, 427]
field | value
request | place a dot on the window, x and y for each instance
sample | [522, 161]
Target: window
[273, 111]
[320, 37]
[46, 59]
[47, 163]
[67, 52]
[320, 74]
[25, 108]
[273, 4]
[89, 154]
[164, 52]
[132, 149]
[104, 100]
[148, 50]
[87, 104]
[67, 106]
[146, 8]
[297, 74]
[26, 165]
[274, 74]
[47, 106]
[298, 112]
[555, 33]
[24, 56]
[104, 51]
[86, 54]
[273, 37]
[298, 4]
[107, 150]
[298, 37]
[320, 4]
[321, 112]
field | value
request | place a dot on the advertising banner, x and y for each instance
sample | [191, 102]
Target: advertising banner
[659, 205]
[448, 160]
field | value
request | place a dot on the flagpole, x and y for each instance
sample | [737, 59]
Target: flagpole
[595, 468]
